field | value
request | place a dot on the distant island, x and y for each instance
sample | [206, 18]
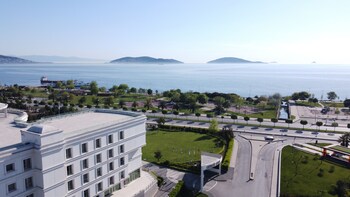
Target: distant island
[232, 60]
[144, 60]
[61, 59]
[14, 60]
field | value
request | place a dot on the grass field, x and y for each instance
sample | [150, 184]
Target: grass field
[321, 145]
[308, 104]
[305, 174]
[267, 114]
[179, 147]
[341, 148]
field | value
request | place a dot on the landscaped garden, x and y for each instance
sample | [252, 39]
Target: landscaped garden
[304, 174]
[179, 149]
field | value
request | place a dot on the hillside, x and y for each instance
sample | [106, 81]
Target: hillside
[232, 60]
[61, 59]
[13, 60]
[144, 60]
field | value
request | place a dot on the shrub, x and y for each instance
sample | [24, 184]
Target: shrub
[177, 190]
[331, 169]
[89, 106]
[125, 108]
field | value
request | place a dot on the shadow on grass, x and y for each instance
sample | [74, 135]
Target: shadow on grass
[205, 137]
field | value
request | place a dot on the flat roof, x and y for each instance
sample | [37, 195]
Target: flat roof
[9, 133]
[76, 122]
[71, 124]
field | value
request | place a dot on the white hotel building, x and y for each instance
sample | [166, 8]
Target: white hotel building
[86, 154]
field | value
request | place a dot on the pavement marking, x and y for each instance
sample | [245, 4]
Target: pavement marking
[211, 187]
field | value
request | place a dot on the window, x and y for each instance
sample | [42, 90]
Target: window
[85, 178]
[97, 143]
[10, 167]
[122, 175]
[121, 161]
[86, 193]
[99, 186]
[28, 183]
[70, 185]
[121, 135]
[27, 164]
[110, 153]
[110, 139]
[12, 187]
[111, 180]
[68, 153]
[121, 148]
[69, 170]
[98, 158]
[84, 148]
[85, 163]
[99, 172]
[111, 166]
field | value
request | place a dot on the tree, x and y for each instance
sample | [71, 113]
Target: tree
[164, 112]
[202, 99]
[161, 121]
[96, 100]
[214, 126]
[219, 101]
[198, 115]
[176, 113]
[82, 100]
[149, 91]
[289, 121]
[260, 120]
[70, 84]
[102, 89]
[109, 101]
[162, 105]
[331, 95]
[344, 139]
[135, 104]
[93, 88]
[334, 124]
[123, 88]
[319, 124]
[274, 120]
[158, 155]
[347, 103]
[303, 122]
[121, 103]
[210, 115]
[246, 118]
[133, 90]
[234, 117]
[148, 103]
[59, 85]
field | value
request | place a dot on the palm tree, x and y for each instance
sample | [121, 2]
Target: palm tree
[148, 103]
[344, 139]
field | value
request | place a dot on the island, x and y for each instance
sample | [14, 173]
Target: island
[14, 60]
[232, 60]
[144, 60]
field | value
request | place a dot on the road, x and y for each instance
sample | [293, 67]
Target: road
[265, 179]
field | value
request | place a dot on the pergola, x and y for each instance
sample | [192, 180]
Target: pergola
[208, 162]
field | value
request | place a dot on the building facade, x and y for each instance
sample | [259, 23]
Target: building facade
[81, 155]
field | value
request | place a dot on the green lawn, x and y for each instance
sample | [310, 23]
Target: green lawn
[308, 104]
[341, 148]
[301, 174]
[179, 147]
[267, 114]
[321, 145]
[333, 104]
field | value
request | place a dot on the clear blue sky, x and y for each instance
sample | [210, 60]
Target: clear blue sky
[193, 31]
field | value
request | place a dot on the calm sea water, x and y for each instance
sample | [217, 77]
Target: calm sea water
[243, 79]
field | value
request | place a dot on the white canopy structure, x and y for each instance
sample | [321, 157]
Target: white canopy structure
[208, 162]
[3, 108]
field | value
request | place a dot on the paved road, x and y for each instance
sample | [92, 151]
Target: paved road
[262, 185]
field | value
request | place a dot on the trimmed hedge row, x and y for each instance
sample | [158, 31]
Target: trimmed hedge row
[178, 189]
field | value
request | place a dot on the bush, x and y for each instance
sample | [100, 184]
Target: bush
[89, 106]
[133, 109]
[125, 108]
[331, 169]
[154, 111]
[81, 106]
[160, 181]
[177, 190]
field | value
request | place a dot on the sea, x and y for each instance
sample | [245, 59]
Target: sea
[242, 79]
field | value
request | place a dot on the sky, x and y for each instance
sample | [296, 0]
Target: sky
[193, 31]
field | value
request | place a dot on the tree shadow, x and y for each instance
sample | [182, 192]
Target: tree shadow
[204, 137]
